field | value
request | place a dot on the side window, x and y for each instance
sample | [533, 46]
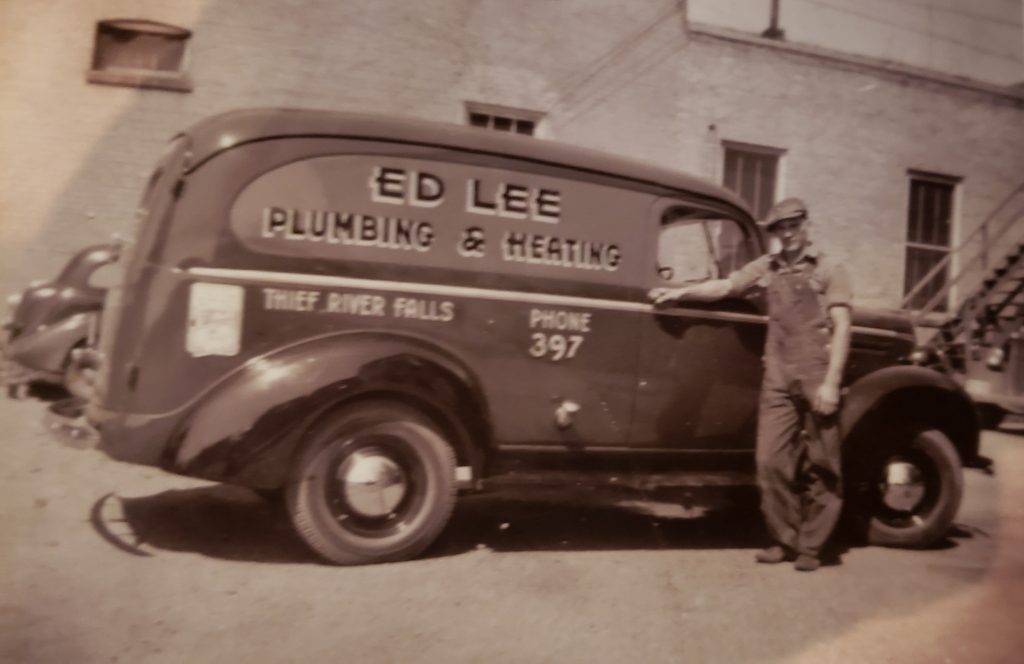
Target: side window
[696, 246]
[684, 250]
[732, 247]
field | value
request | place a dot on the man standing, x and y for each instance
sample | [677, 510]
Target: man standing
[798, 445]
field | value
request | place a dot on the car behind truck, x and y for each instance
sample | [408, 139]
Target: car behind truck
[371, 314]
[50, 320]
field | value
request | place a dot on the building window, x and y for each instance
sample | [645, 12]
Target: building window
[503, 118]
[929, 231]
[140, 54]
[752, 172]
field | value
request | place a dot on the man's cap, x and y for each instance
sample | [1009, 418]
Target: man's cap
[790, 208]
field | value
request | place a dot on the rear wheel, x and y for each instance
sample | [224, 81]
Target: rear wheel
[911, 493]
[375, 483]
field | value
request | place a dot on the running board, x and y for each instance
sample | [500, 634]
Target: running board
[635, 481]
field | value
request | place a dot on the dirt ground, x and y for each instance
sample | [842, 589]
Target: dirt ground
[106, 562]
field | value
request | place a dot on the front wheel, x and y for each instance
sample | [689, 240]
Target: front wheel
[374, 483]
[912, 491]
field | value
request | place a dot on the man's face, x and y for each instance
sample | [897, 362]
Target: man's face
[791, 234]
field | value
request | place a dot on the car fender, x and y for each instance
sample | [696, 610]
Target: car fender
[247, 427]
[89, 259]
[904, 394]
[46, 347]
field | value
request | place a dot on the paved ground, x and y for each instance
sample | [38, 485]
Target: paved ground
[101, 562]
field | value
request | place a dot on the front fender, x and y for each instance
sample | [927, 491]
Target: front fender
[245, 430]
[46, 347]
[900, 395]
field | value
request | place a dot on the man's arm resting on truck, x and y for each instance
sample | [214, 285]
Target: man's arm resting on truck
[706, 291]
[738, 282]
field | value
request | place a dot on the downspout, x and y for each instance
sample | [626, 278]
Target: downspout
[774, 31]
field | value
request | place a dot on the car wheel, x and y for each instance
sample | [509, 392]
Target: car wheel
[374, 483]
[913, 491]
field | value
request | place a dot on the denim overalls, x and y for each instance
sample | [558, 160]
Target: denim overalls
[798, 450]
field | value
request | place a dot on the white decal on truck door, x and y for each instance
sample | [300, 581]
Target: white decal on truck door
[214, 319]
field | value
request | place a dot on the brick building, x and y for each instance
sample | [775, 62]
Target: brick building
[860, 138]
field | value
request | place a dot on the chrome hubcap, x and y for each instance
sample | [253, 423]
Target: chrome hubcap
[372, 483]
[903, 486]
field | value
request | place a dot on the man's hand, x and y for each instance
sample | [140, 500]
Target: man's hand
[826, 401]
[662, 296]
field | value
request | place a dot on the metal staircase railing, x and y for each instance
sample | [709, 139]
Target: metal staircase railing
[986, 309]
[990, 238]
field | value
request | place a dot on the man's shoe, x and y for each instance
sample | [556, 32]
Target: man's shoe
[774, 554]
[807, 563]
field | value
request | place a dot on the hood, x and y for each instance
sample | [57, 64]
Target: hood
[892, 320]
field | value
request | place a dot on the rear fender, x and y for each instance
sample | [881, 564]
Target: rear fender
[898, 396]
[246, 429]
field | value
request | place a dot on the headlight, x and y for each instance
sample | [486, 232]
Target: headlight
[920, 356]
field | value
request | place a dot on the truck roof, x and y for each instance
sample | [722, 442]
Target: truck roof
[227, 130]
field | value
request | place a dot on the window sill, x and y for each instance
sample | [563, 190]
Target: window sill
[136, 78]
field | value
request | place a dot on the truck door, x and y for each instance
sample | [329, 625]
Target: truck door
[559, 360]
[699, 369]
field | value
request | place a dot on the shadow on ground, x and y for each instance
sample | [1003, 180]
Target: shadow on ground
[232, 523]
[597, 521]
[219, 521]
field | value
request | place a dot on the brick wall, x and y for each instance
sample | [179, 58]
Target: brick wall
[851, 134]
[623, 77]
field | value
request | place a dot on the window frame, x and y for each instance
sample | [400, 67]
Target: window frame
[669, 215]
[176, 80]
[952, 183]
[763, 151]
